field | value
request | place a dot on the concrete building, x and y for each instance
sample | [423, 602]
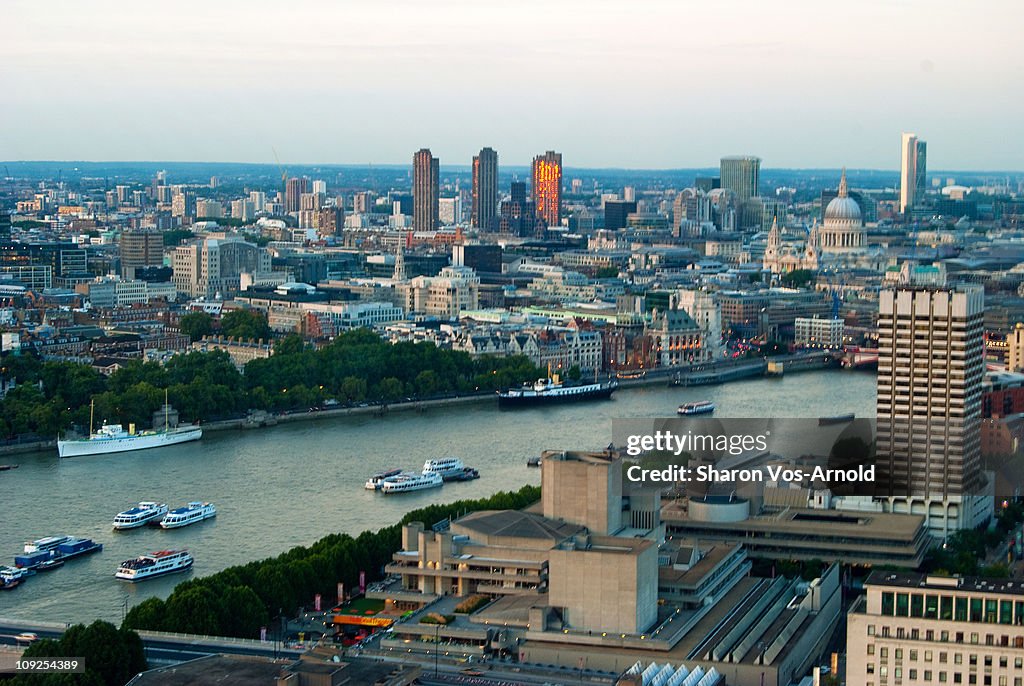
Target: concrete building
[547, 187]
[108, 293]
[916, 629]
[930, 369]
[814, 332]
[485, 189]
[214, 266]
[240, 351]
[426, 179]
[453, 290]
[1015, 349]
[741, 175]
[913, 171]
[140, 248]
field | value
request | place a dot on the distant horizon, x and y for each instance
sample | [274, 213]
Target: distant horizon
[467, 167]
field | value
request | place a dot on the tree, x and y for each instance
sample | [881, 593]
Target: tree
[574, 373]
[245, 324]
[798, 278]
[177, 236]
[195, 325]
[112, 655]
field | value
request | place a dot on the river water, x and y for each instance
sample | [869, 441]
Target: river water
[289, 485]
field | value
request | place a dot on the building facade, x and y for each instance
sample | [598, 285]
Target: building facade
[741, 175]
[485, 189]
[426, 182]
[547, 187]
[913, 171]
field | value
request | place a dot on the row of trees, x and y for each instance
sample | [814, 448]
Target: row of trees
[240, 600]
[112, 656]
[358, 366]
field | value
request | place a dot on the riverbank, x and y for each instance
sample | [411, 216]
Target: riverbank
[712, 373]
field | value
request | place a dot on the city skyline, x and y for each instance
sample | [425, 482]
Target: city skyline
[293, 85]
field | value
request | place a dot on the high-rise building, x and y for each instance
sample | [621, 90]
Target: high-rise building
[183, 202]
[912, 171]
[140, 248]
[741, 175]
[293, 190]
[616, 212]
[517, 214]
[547, 187]
[426, 190]
[930, 369]
[485, 189]
[258, 200]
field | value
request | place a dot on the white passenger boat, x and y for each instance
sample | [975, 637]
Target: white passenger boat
[154, 564]
[190, 514]
[701, 407]
[144, 513]
[410, 481]
[113, 438]
[445, 466]
[374, 482]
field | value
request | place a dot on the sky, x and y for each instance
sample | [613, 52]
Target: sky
[645, 84]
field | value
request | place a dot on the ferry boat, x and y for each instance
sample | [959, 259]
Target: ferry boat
[374, 482]
[700, 407]
[190, 514]
[144, 513]
[411, 481]
[551, 390]
[14, 575]
[48, 543]
[112, 438]
[155, 564]
[443, 466]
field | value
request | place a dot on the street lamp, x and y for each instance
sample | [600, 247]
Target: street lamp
[437, 647]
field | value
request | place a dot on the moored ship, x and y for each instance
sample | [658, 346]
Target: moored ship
[113, 438]
[189, 514]
[700, 407]
[154, 564]
[374, 482]
[444, 466]
[551, 390]
[144, 513]
[410, 481]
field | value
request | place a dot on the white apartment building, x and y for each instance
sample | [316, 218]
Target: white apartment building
[815, 332]
[214, 265]
[453, 290]
[116, 292]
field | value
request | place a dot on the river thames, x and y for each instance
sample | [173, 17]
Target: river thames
[289, 485]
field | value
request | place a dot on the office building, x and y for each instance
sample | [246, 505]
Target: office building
[547, 187]
[616, 212]
[426, 181]
[930, 369]
[485, 189]
[517, 214]
[915, 629]
[707, 183]
[449, 211]
[140, 248]
[293, 190]
[741, 175]
[912, 172]
[213, 267]
[183, 203]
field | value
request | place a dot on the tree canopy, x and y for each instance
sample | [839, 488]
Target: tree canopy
[112, 656]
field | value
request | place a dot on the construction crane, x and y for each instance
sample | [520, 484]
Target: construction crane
[284, 172]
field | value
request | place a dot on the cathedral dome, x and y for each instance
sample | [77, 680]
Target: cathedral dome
[843, 207]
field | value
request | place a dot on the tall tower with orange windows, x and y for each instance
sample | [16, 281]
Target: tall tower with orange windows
[547, 187]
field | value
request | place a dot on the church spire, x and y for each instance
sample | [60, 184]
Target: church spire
[843, 190]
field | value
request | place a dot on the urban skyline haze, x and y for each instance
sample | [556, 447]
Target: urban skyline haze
[608, 84]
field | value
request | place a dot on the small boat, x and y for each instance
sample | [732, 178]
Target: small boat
[12, 577]
[50, 565]
[6, 585]
[7, 467]
[146, 512]
[467, 474]
[700, 407]
[190, 514]
[374, 482]
[444, 466]
[411, 481]
[155, 564]
[534, 461]
[836, 419]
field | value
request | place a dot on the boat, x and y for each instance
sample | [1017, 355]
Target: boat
[444, 466]
[75, 547]
[551, 390]
[534, 461]
[7, 467]
[190, 514]
[11, 574]
[33, 560]
[411, 481]
[155, 564]
[837, 419]
[466, 474]
[144, 513]
[699, 407]
[6, 585]
[113, 438]
[374, 482]
[50, 565]
[48, 543]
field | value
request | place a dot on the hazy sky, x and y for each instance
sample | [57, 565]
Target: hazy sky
[643, 84]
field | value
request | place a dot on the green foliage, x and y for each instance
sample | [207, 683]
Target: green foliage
[240, 600]
[606, 272]
[574, 373]
[112, 656]
[177, 237]
[245, 324]
[798, 278]
[195, 325]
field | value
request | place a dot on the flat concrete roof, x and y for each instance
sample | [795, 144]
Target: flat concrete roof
[973, 584]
